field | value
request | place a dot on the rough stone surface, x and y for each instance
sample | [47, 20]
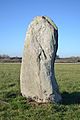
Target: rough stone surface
[37, 77]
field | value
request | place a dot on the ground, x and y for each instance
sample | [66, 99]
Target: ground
[15, 107]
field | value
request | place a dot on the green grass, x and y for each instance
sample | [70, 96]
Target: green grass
[15, 107]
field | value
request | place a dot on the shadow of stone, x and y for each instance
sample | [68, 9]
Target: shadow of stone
[70, 98]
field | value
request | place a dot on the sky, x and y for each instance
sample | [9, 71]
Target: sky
[16, 15]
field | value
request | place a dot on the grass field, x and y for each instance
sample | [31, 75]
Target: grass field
[15, 107]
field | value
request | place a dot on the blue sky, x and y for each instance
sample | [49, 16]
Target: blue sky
[15, 15]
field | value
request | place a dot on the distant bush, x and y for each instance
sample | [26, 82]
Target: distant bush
[4, 56]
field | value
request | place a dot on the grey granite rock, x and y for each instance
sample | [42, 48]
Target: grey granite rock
[37, 79]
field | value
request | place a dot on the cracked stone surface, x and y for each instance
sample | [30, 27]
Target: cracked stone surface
[37, 78]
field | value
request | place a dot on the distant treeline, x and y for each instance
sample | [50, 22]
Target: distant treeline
[8, 59]
[68, 60]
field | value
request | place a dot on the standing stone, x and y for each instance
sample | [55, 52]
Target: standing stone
[37, 77]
